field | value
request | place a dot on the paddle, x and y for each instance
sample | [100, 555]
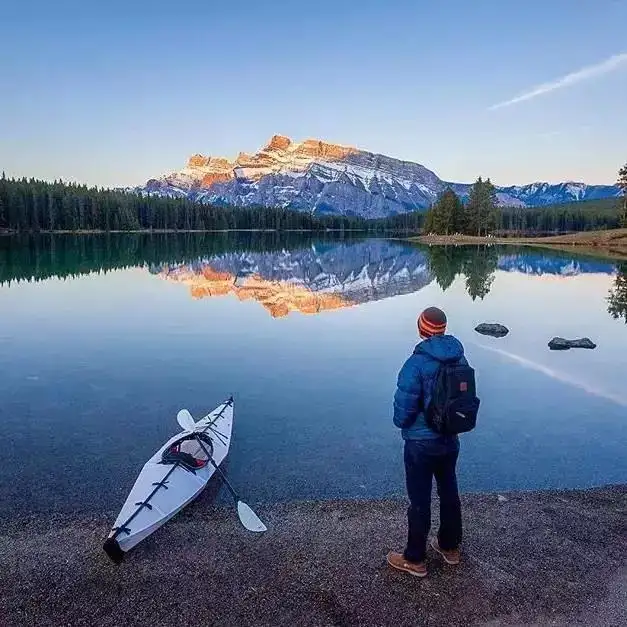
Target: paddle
[247, 516]
[185, 420]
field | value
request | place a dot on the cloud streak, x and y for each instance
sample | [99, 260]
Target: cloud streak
[591, 71]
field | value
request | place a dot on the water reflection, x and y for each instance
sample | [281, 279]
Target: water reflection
[308, 280]
[477, 264]
[101, 365]
[617, 300]
[318, 279]
[290, 272]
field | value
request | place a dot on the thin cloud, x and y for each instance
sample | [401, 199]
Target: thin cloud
[591, 71]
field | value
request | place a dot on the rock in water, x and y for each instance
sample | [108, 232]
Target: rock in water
[495, 330]
[560, 344]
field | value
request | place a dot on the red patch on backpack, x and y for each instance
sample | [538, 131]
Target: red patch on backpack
[463, 386]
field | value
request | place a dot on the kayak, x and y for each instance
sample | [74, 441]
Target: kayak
[175, 475]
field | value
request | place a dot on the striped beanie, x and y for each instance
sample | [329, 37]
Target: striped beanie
[432, 321]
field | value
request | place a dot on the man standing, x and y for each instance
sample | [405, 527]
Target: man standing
[428, 453]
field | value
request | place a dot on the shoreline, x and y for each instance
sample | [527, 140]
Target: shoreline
[172, 231]
[611, 243]
[543, 557]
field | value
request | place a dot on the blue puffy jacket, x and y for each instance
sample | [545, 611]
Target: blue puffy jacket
[416, 381]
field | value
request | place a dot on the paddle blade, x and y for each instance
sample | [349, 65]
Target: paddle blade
[249, 519]
[185, 420]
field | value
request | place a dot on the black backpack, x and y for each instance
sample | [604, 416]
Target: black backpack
[454, 404]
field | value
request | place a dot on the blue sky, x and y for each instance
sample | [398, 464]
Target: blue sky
[117, 92]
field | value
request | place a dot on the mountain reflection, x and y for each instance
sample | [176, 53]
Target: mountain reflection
[290, 272]
[332, 276]
[308, 280]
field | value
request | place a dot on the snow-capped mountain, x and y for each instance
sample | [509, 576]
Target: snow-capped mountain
[324, 178]
[538, 194]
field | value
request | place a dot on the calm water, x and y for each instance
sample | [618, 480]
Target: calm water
[103, 339]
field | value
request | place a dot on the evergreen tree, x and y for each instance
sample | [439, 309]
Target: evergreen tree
[33, 205]
[472, 209]
[492, 211]
[446, 215]
[562, 218]
[430, 225]
[481, 211]
[4, 199]
[622, 183]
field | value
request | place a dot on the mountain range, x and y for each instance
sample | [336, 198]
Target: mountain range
[325, 178]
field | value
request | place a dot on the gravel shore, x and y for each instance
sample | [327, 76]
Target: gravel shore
[540, 558]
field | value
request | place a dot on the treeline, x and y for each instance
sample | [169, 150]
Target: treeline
[406, 223]
[30, 205]
[622, 184]
[481, 215]
[589, 215]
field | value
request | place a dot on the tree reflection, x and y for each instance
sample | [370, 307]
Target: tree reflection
[39, 257]
[617, 299]
[445, 263]
[480, 270]
[477, 263]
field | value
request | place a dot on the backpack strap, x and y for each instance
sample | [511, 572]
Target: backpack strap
[441, 364]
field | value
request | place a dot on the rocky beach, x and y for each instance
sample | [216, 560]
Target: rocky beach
[529, 558]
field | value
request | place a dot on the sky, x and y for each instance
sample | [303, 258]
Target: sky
[113, 93]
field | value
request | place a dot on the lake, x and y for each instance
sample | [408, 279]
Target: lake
[104, 338]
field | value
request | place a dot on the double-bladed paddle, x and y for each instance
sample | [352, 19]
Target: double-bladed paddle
[247, 516]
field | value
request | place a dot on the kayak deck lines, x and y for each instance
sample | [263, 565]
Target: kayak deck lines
[142, 504]
[181, 487]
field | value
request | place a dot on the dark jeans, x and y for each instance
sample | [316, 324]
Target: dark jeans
[425, 459]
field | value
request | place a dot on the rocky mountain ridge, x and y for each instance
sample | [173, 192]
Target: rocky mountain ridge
[325, 178]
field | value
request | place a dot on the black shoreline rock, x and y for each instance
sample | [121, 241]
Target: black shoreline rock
[494, 330]
[560, 344]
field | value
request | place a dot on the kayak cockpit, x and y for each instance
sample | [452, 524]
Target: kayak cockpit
[186, 451]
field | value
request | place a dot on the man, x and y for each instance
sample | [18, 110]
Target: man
[427, 453]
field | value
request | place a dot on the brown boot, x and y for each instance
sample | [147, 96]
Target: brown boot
[398, 561]
[451, 557]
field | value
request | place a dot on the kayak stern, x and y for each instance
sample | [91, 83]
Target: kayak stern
[113, 550]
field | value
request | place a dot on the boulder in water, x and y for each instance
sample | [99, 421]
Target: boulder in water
[560, 344]
[495, 330]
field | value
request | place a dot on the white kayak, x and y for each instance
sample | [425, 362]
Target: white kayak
[174, 476]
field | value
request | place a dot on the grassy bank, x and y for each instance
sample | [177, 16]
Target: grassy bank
[536, 558]
[609, 243]
[604, 239]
